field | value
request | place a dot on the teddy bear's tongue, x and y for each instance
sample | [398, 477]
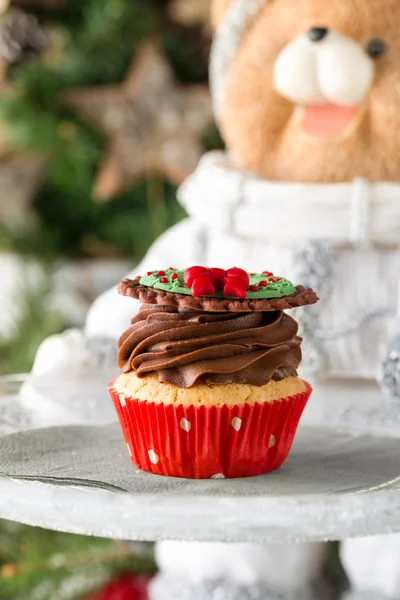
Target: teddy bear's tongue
[328, 119]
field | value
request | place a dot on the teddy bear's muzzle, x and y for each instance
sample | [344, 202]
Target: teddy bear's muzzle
[328, 75]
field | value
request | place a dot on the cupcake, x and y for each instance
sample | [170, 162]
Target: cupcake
[209, 385]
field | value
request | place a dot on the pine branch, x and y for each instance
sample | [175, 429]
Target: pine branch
[43, 565]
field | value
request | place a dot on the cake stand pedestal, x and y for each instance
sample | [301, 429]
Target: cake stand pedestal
[341, 480]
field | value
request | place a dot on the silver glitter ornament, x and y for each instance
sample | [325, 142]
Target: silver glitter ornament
[226, 43]
[389, 377]
[164, 587]
[314, 267]
[365, 596]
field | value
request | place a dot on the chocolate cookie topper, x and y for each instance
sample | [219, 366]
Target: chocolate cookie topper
[217, 290]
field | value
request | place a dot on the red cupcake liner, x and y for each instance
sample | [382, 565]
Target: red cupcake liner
[200, 442]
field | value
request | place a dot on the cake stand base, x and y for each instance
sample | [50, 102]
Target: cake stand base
[365, 596]
[196, 571]
[165, 587]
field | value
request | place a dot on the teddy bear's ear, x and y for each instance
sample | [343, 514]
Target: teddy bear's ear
[218, 9]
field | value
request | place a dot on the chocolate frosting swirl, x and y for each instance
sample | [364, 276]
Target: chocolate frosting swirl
[185, 346]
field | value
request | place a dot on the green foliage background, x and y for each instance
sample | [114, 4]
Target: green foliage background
[43, 565]
[92, 43]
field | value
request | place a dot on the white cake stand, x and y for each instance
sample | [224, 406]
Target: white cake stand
[341, 480]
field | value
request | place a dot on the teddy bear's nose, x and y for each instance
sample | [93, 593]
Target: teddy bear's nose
[316, 34]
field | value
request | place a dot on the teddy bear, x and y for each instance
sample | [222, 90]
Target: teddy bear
[307, 96]
[308, 185]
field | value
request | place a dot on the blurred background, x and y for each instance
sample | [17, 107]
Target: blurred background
[89, 167]
[88, 92]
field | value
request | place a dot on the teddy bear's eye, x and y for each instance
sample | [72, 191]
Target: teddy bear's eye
[376, 48]
[317, 34]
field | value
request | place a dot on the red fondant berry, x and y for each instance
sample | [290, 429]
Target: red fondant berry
[164, 280]
[235, 287]
[218, 276]
[268, 273]
[193, 272]
[149, 273]
[239, 274]
[202, 286]
[263, 284]
[253, 288]
[174, 276]
[160, 273]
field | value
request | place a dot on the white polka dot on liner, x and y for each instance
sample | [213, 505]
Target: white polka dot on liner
[122, 400]
[272, 441]
[218, 476]
[185, 425]
[236, 423]
[129, 450]
[154, 458]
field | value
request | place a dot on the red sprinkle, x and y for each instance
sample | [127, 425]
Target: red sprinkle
[253, 288]
[149, 273]
[268, 273]
[171, 269]
[262, 284]
[174, 276]
[163, 280]
[160, 273]
[278, 278]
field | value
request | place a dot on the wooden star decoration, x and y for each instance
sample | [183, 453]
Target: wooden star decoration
[153, 123]
[191, 12]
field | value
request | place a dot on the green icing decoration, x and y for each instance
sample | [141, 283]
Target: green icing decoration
[274, 289]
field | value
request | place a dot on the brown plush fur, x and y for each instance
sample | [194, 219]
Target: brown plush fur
[258, 124]
[218, 9]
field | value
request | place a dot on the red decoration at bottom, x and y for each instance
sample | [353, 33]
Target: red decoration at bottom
[200, 442]
[126, 587]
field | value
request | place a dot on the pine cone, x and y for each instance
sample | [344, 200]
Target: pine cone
[21, 36]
